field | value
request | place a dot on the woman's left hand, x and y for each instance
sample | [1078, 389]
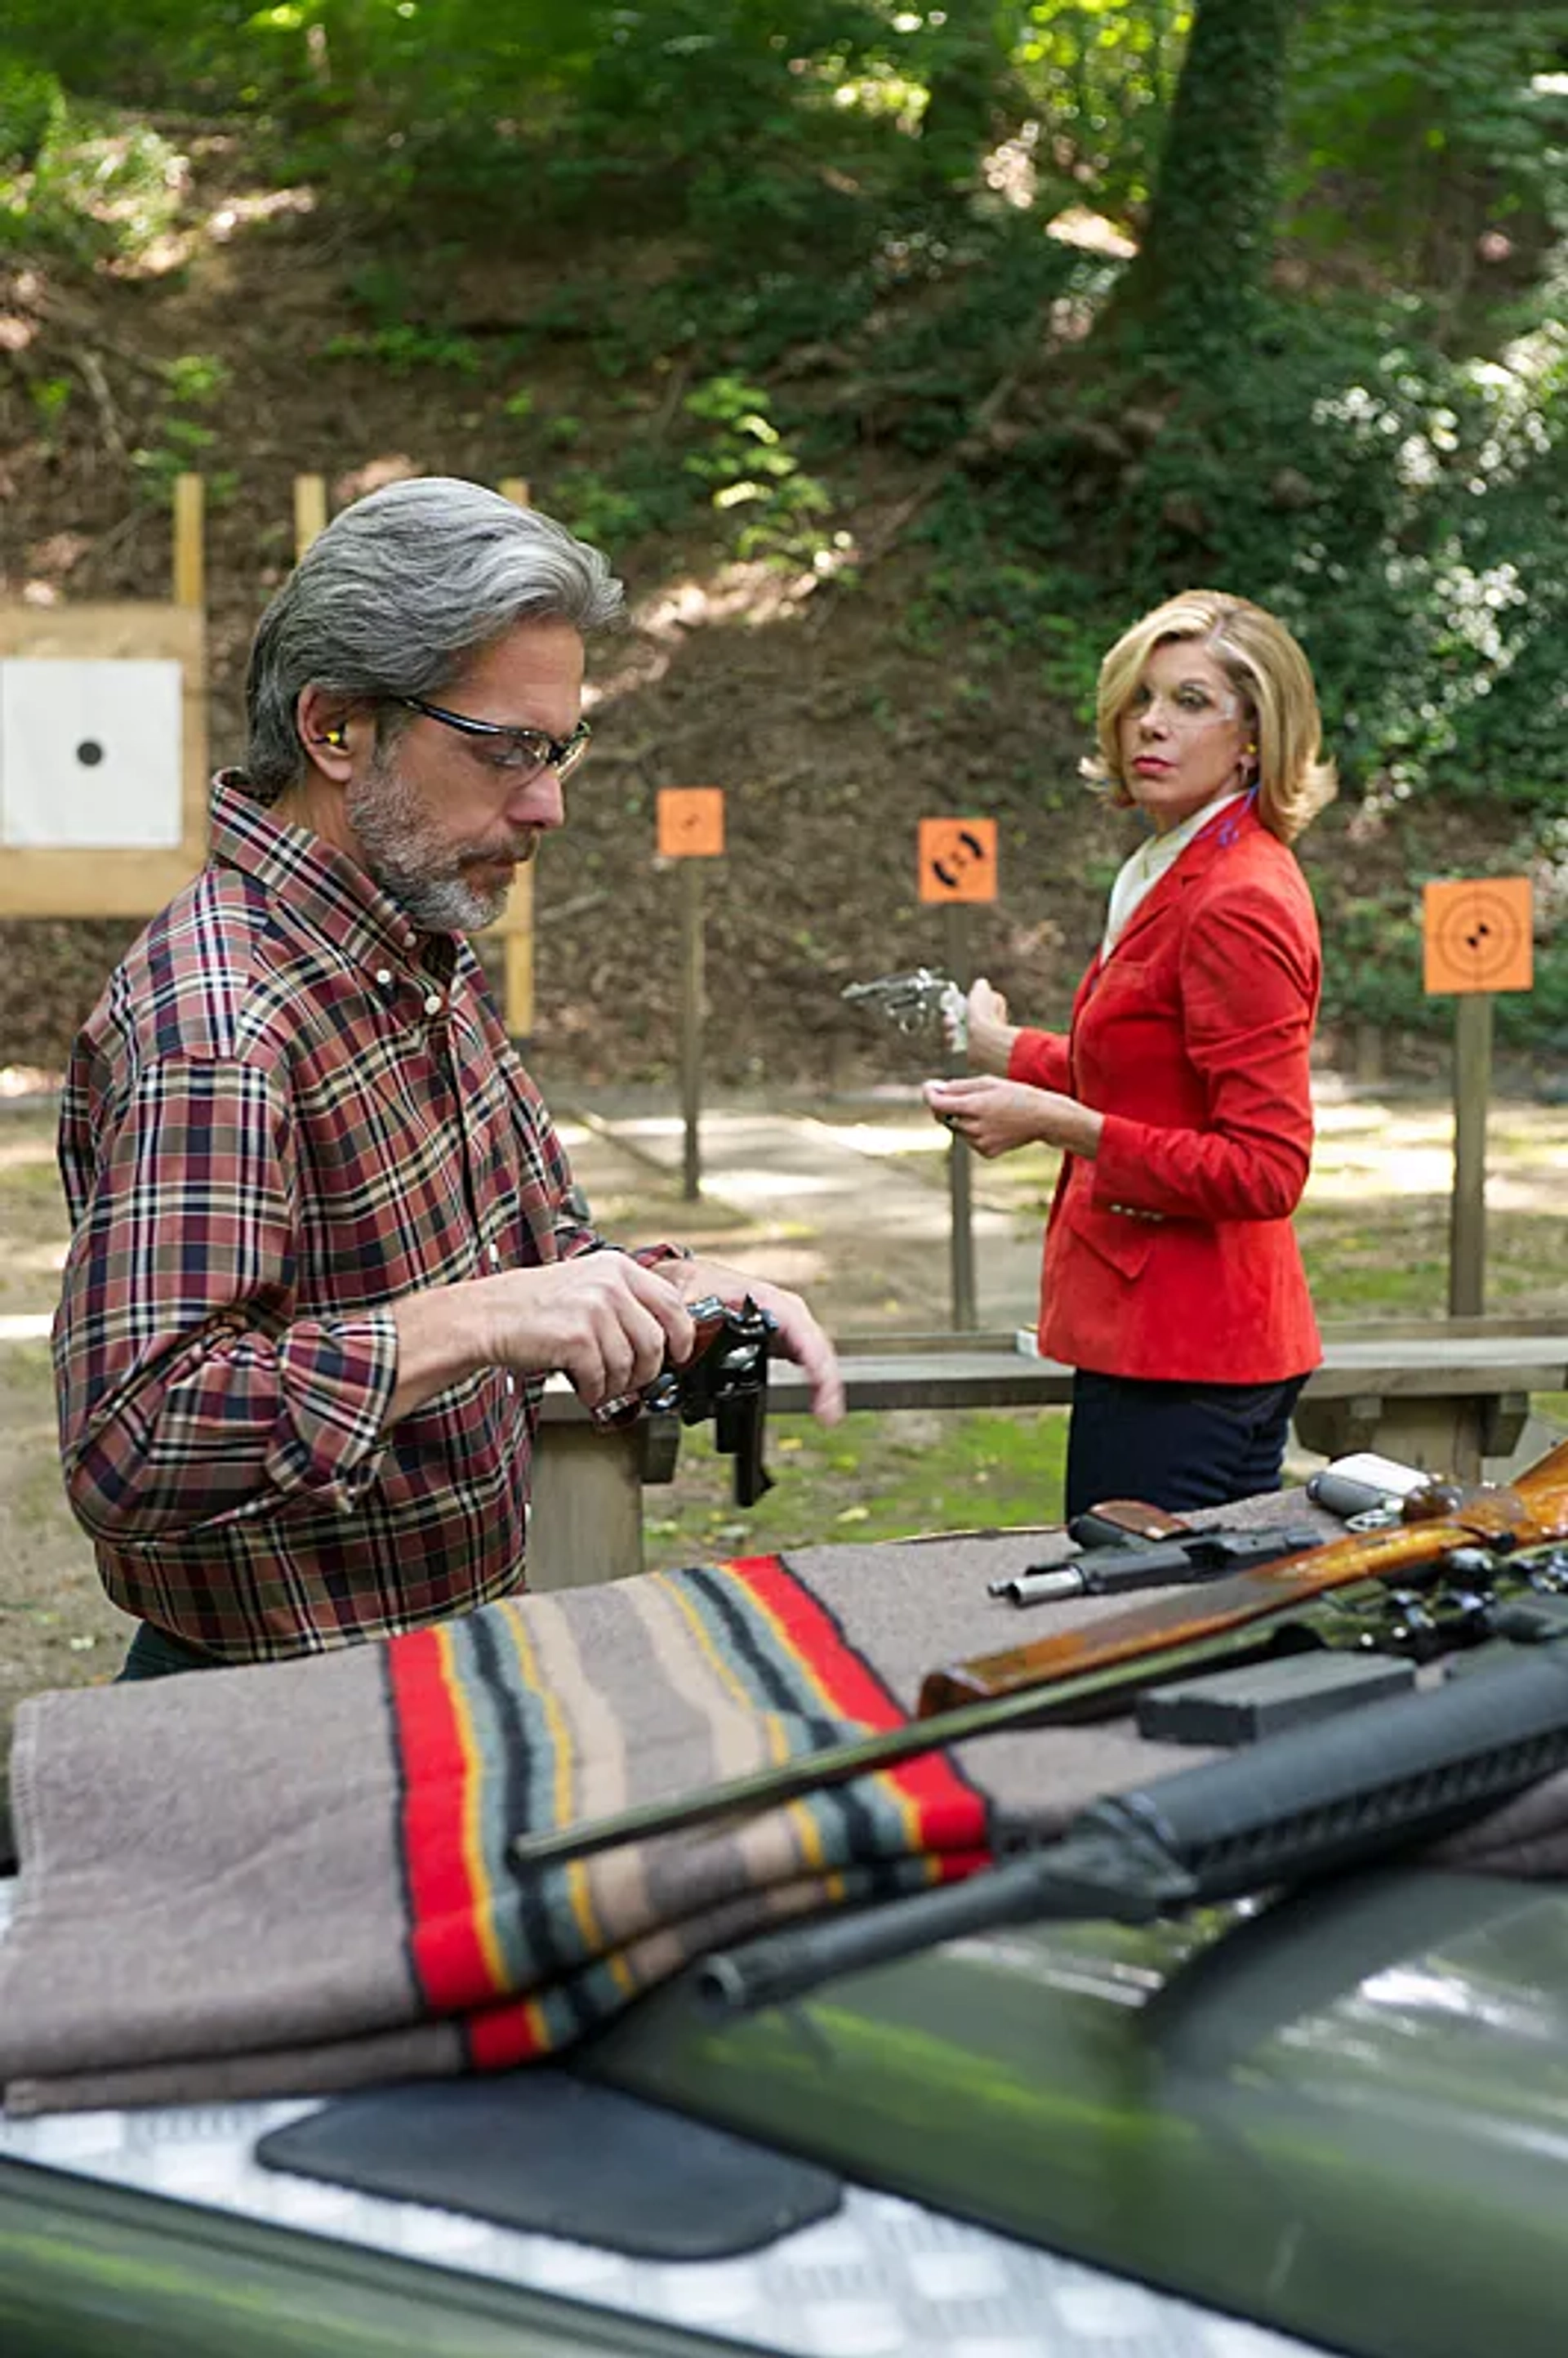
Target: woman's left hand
[995, 1116]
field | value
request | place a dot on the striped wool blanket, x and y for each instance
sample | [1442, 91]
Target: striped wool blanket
[294, 1877]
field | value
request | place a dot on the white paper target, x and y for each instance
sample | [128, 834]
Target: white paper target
[91, 755]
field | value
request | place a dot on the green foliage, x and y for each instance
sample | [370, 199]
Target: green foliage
[195, 378]
[1373, 961]
[1407, 514]
[754, 477]
[613, 511]
[51, 398]
[79, 180]
[184, 445]
[401, 350]
[1437, 121]
[1102, 75]
[32, 113]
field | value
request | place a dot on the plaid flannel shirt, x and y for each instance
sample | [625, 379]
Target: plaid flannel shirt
[287, 1110]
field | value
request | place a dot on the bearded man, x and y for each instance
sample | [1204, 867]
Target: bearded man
[326, 1248]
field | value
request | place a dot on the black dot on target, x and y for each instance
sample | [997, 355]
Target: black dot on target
[89, 752]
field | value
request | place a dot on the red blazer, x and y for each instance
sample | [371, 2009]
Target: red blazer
[1171, 1254]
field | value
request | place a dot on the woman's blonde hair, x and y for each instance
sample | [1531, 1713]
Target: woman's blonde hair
[1270, 674]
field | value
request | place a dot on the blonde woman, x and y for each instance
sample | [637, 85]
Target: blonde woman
[1173, 1285]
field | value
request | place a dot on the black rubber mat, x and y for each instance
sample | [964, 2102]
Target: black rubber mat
[542, 2151]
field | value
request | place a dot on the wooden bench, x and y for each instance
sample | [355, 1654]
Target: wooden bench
[1447, 1396]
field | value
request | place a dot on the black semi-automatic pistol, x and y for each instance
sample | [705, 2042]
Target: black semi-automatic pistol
[726, 1378]
[914, 1000]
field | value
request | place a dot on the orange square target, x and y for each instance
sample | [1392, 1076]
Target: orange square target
[958, 859]
[1476, 934]
[691, 822]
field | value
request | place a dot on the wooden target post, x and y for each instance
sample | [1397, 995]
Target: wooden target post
[691, 829]
[956, 861]
[104, 744]
[1476, 940]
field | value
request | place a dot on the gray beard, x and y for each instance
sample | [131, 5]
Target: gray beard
[439, 905]
[426, 879]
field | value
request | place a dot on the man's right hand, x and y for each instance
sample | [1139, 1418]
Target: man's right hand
[600, 1319]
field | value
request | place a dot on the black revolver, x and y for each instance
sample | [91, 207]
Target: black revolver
[726, 1378]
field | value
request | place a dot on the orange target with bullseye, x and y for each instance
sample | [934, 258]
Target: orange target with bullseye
[1476, 934]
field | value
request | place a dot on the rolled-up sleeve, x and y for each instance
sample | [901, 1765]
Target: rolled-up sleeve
[190, 1393]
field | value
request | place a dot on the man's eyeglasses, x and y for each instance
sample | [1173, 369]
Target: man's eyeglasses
[518, 751]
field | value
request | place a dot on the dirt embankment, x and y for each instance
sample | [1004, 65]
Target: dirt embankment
[835, 721]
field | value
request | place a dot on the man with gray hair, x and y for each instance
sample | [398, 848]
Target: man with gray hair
[326, 1243]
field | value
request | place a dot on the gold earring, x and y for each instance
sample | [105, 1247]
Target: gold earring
[334, 737]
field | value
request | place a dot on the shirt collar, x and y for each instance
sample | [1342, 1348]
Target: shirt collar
[321, 885]
[1158, 851]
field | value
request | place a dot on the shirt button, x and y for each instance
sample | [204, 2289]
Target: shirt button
[383, 978]
[434, 1003]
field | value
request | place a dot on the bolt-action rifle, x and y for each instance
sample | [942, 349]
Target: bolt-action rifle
[915, 999]
[1453, 1544]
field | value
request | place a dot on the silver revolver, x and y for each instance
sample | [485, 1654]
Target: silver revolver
[915, 999]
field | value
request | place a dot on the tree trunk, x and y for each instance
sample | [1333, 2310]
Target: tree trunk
[1206, 249]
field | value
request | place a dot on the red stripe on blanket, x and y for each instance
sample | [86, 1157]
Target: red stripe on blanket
[503, 2035]
[451, 1960]
[951, 1814]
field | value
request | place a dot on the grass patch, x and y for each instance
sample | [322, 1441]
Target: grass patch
[871, 1477]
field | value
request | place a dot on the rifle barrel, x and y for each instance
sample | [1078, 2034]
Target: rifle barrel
[1294, 1806]
[863, 1756]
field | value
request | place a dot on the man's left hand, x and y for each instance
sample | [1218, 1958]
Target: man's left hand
[799, 1337]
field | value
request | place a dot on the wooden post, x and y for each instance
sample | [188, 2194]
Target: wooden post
[585, 1506]
[515, 922]
[189, 590]
[961, 1252]
[310, 511]
[691, 1012]
[1467, 1215]
[190, 552]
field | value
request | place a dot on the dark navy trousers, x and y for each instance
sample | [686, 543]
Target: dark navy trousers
[1175, 1446]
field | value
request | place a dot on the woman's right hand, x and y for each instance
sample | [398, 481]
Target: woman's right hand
[991, 1035]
